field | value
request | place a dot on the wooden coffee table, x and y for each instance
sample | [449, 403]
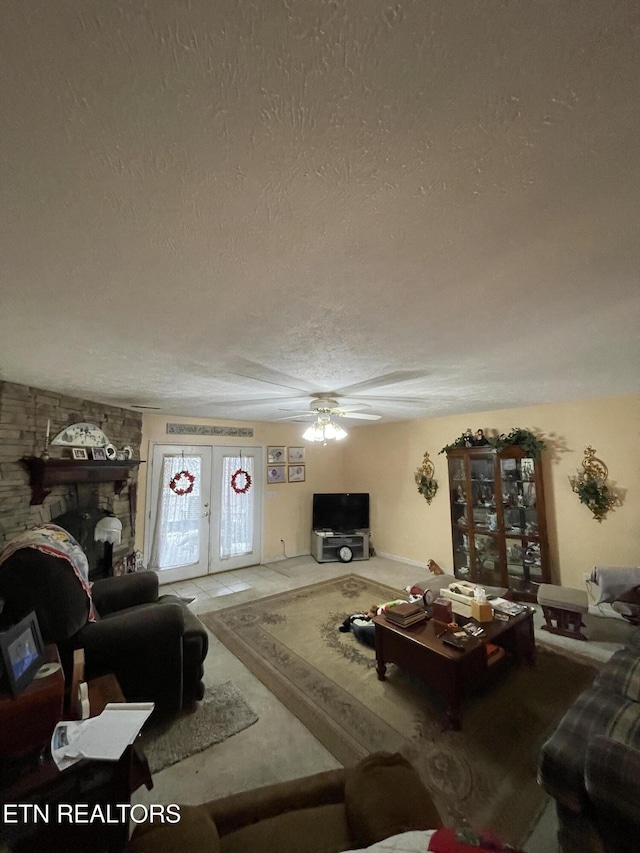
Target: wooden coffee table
[450, 673]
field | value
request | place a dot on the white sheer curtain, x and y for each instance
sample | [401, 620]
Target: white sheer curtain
[236, 509]
[176, 536]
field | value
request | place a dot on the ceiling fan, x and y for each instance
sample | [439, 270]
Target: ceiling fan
[325, 406]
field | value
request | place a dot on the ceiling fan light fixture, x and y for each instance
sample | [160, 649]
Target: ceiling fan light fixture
[334, 431]
[324, 429]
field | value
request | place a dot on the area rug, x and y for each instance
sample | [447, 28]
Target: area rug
[485, 774]
[222, 713]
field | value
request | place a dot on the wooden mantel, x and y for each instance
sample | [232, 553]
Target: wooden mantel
[46, 474]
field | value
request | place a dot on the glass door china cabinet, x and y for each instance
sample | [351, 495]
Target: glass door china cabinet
[498, 518]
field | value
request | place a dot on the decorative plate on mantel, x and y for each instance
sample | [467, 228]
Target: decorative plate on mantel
[81, 435]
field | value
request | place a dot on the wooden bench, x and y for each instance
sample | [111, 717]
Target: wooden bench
[563, 610]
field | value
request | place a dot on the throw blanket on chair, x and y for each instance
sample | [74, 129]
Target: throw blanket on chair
[55, 540]
[614, 582]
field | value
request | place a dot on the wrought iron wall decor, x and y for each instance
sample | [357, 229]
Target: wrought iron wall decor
[424, 477]
[591, 486]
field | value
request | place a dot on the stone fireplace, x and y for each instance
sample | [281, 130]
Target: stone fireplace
[76, 506]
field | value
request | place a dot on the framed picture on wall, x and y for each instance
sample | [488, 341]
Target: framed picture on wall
[276, 455]
[296, 455]
[275, 474]
[296, 473]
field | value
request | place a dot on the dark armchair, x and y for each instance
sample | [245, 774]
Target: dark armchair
[153, 644]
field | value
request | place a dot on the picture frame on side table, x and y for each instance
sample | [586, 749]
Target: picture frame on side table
[79, 453]
[276, 474]
[296, 455]
[296, 473]
[98, 454]
[276, 455]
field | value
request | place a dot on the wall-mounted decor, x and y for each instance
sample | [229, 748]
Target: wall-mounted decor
[591, 486]
[296, 473]
[79, 453]
[427, 486]
[276, 455]
[296, 455]
[199, 429]
[85, 435]
[276, 474]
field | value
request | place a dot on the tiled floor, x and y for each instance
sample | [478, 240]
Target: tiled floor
[278, 747]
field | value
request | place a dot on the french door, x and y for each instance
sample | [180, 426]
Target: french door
[204, 511]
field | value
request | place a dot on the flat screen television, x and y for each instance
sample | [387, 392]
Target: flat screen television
[341, 512]
[21, 653]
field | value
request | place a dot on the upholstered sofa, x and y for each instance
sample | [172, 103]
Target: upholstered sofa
[328, 812]
[591, 763]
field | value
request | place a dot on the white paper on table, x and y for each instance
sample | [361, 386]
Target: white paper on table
[104, 737]
[62, 740]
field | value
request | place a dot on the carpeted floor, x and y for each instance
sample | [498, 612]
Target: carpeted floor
[222, 713]
[485, 774]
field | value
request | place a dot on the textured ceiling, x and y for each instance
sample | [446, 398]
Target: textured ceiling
[431, 206]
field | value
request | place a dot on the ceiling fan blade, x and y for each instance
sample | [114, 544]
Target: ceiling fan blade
[359, 415]
[258, 401]
[393, 399]
[298, 416]
[379, 382]
[260, 373]
[355, 407]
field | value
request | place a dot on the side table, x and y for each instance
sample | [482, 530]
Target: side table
[103, 783]
[28, 720]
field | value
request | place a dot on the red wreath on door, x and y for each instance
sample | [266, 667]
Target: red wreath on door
[175, 484]
[247, 481]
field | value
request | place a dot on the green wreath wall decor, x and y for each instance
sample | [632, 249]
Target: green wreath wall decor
[423, 477]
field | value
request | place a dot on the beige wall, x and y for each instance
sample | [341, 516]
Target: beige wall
[287, 506]
[382, 460]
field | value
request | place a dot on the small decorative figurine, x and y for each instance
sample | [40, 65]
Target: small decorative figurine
[434, 567]
[468, 438]
[480, 440]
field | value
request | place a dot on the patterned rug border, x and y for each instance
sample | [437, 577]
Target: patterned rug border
[328, 731]
[461, 790]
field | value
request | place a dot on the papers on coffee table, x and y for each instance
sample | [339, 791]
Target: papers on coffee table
[103, 738]
[511, 608]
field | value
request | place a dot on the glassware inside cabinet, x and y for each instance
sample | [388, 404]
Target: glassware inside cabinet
[461, 554]
[483, 496]
[482, 469]
[487, 560]
[456, 470]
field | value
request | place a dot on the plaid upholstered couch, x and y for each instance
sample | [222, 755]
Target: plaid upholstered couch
[591, 764]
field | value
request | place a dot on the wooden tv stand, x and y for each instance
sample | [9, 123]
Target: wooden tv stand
[326, 543]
